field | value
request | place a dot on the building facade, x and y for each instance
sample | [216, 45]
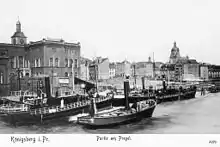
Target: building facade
[51, 57]
[84, 68]
[204, 72]
[99, 69]
[214, 74]
[112, 70]
[123, 68]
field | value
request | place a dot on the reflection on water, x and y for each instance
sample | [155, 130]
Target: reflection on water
[199, 115]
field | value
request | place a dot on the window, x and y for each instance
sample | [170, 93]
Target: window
[57, 62]
[75, 64]
[15, 62]
[75, 74]
[71, 74]
[39, 62]
[66, 74]
[51, 62]
[12, 62]
[20, 61]
[66, 62]
[36, 63]
[70, 62]
[1, 78]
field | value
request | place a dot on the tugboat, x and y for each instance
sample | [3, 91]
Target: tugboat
[28, 107]
[137, 111]
[165, 94]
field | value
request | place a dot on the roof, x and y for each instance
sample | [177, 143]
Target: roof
[53, 41]
[112, 65]
[19, 34]
[98, 60]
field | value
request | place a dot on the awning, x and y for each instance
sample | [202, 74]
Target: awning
[88, 85]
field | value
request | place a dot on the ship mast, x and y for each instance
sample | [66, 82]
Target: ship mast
[153, 67]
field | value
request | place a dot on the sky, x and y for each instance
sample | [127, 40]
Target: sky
[120, 29]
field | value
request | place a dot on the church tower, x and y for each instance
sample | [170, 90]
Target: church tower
[175, 54]
[18, 37]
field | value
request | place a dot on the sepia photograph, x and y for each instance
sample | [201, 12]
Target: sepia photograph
[109, 67]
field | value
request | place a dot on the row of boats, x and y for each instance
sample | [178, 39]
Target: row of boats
[101, 109]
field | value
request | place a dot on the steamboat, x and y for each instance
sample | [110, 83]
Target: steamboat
[131, 112]
[167, 93]
[30, 107]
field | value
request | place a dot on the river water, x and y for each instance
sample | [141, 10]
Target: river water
[199, 115]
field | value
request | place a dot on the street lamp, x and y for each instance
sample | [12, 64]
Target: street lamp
[83, 87]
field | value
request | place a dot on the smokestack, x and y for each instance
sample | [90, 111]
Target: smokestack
[164, 85]
[143, 83]
[47, 86]
[126, 92]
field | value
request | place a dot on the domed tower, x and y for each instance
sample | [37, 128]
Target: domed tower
[18, 37]
[175, 54]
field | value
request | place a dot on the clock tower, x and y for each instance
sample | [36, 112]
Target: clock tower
[18, 37]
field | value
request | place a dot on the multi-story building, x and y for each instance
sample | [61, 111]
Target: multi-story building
[45, 57]
[13, 57]
[214, 74]
[123, 68]
[191, 70]
[55, 58]
[144, 69]
[112, 69]
[99, 69]
[84, 68]
[204, 72]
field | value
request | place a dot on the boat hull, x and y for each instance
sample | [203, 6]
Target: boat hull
[176, 97]
[113, 121]
[27, 117]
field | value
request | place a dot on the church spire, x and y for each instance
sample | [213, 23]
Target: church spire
[18, 37]
[174, 44]
[18, 26]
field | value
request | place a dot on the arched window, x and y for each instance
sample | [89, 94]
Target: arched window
[51, 62]
[66, 74]
[39, 63]
[76, 63]
[66, 62]
[57, 62]
[1, 78]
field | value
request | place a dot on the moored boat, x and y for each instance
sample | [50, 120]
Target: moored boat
[27, 107]
[131, 112]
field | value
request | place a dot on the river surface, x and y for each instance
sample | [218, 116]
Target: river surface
[194, 116]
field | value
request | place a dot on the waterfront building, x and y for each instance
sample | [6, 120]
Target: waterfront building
[84, 68]
[214, 74]
[99, 69]
[204, 72]
[112, 69]
[144, 69]
[13, 60]
[123, 68]
[191, 70]
[51, 57]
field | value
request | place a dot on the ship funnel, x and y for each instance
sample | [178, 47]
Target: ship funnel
[143, 82]
[47, 86]
[126, 93]
[164, 85]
